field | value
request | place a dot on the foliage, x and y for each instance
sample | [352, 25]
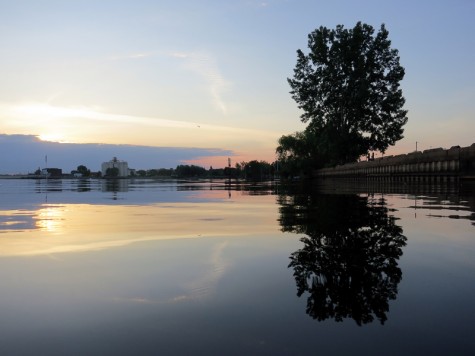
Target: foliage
[190, 171]
[348, 88]
[217, 172]
[141, 173]
[84, 171]
[297, 152]
[257, 170]
[164, 172]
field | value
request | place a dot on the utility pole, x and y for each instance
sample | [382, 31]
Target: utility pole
[46, 164]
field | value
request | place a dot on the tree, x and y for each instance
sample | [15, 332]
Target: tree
[257, 170]
[164, 172]
[152, 173]
[84, 171]
[187, 171]
[298, 152]
[141, 173]
[348, 88]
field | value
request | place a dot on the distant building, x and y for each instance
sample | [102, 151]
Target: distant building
[52, 172]
[122, 166]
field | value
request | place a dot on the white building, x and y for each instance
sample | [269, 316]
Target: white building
[122, 166]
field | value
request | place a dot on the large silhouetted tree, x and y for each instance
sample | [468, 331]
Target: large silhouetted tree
[348, 88]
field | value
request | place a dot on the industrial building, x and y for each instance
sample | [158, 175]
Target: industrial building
[122, 167]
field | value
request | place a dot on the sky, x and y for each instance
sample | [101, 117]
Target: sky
[208, 77]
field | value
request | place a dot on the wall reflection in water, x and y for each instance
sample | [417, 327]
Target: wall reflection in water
[348, 265]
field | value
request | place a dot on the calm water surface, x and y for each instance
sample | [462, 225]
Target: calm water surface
[91, 267]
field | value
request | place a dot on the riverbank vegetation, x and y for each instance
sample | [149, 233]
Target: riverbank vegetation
[244, 170]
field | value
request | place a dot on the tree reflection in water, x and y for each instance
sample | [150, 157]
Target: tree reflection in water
[348, 263]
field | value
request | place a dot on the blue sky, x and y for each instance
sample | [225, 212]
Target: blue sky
[212, 74]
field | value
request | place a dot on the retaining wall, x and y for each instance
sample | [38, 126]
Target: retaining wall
[458, 162]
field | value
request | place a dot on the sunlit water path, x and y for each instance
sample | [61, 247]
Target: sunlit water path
[95, 267]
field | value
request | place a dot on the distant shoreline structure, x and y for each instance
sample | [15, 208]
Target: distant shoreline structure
[456, 162]
[438, 163]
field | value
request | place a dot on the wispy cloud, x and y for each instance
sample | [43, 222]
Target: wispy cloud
[134, 55]
[46, 113]
[35, 114]
[92, 125]
[259, 3]
[206, 67]
[201, 63]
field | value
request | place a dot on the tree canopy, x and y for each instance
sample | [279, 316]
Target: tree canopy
[84, 170]
[348, 88]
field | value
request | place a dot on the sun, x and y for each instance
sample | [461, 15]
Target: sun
[52, 137]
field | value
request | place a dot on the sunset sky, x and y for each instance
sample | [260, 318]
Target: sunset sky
[213, 74]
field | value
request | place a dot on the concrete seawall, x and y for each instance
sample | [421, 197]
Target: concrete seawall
[456, 162]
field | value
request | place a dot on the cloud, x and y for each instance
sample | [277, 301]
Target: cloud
[47, 112]
[136, 55]
[89, 125]
[206, 67]
[25, 153]
[201, 63]
[259, 3]
[34, 114]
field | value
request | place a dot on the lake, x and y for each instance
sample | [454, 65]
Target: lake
[144, 267]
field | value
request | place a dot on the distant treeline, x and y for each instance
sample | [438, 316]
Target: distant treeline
[257, 170]
[245, 170]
